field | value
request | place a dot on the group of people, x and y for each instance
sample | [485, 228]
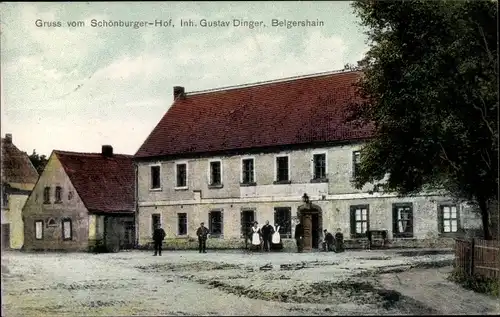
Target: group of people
[267, 238]
[159, 235]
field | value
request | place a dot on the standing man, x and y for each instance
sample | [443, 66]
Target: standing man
[267, 234]
[158, 236]
[328, 241]
[202, 234]
[299, 234]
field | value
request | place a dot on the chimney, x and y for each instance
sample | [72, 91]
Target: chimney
[8, 138]
[107, 151]
[179, 92]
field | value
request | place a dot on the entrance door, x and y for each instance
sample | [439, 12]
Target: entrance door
[5, 236]
[128, 241]
[247, 219]
[315, 230]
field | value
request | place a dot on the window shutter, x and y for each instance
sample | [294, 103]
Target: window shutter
[440, 219]
[367, 219]
[222, 222]
[411, 219]
[353, 221]
[395, 230]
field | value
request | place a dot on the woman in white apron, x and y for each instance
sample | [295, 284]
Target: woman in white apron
[276, 238]
[256, 238]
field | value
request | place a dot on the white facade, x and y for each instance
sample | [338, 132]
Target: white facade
[193, 198]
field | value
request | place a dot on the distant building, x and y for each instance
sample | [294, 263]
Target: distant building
[230, 156]
[18, 179]
[82, 201]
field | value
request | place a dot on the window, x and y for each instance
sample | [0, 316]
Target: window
[359, 221]
[282, 173]
[356, 160]
[58, 194]
[283, 218]
[46, 195]
[155, 221]
[247, 168]
[215, 173]
[181, 175]
[5, 198]
[51, 223]
[448, 215]
[67, 229]
[402, 220]
[182, 224]
[39, 229]
[319, 166]
[247, 219]
[70, 195]
[155, 177]
[216, 223]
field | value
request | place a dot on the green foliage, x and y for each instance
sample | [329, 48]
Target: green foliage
[477, 283]
[430, 91]
[38, 161]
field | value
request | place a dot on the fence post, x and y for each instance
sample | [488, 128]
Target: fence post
[472, 257]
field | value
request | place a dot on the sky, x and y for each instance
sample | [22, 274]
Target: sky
[76, 88]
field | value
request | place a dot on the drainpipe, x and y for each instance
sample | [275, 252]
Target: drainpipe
[136, 194]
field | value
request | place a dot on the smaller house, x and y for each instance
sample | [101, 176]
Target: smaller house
[18, 179]
[82, 201]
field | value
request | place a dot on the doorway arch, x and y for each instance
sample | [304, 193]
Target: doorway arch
[311, 217]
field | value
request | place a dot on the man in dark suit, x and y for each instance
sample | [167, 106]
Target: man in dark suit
[328, 241]
[299, 235]
[202, 233]
[267, 234]
[158, 237]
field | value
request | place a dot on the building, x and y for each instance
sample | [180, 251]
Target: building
[82, 201]
[18, 179]
[230, 156]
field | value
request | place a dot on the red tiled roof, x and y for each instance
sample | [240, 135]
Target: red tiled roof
[16, 165]
[287, 112]
[105, 184]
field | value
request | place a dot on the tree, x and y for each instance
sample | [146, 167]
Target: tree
[429, 88]
[38, 161]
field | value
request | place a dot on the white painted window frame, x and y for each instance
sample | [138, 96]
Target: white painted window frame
[187, 174]
[254, 168]
[276, 166]
[187, 225]
[209, 174]
[41, 227]
[150, 181]
[151, 230]
[312, 162]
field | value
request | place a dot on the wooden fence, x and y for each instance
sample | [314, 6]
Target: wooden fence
[480, 257]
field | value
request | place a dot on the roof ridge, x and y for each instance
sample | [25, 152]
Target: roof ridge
[88, 153]
[272, 81]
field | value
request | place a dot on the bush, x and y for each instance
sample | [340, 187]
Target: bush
[477, 283]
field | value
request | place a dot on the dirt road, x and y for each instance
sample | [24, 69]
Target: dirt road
[229, 283]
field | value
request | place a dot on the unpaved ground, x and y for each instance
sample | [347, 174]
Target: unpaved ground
[233, 283]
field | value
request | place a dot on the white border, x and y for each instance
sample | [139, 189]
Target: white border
[209, 174]
[312, 162]
[175, 175]
[241, 168]
[187, 225]
[150, 181]
[276, 166]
